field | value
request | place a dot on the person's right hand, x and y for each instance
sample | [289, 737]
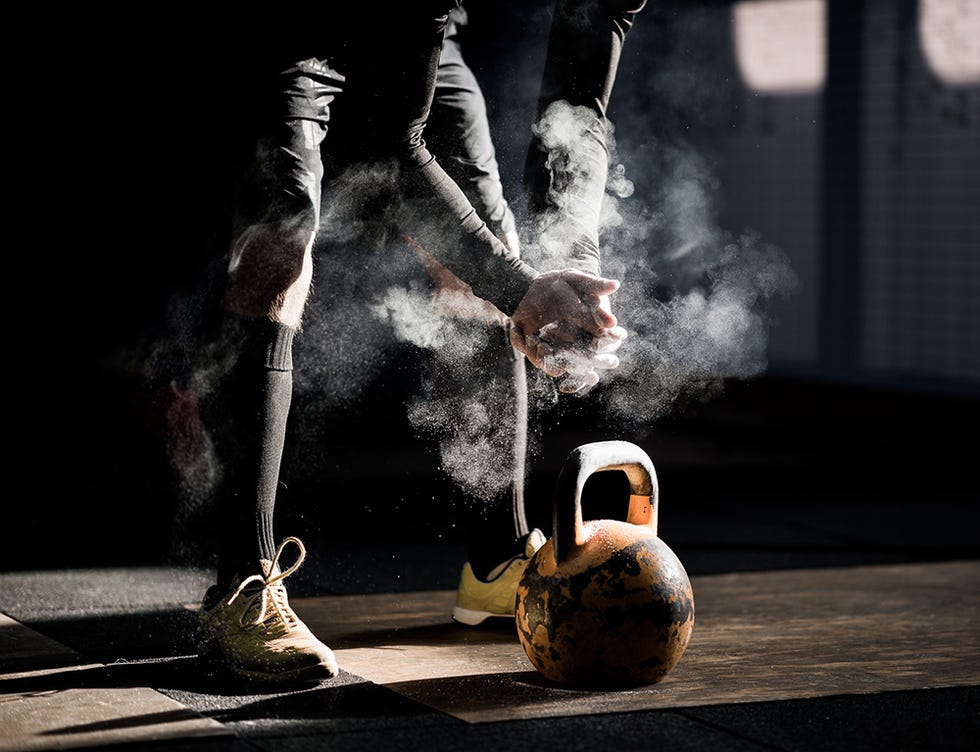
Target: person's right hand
[565, 327]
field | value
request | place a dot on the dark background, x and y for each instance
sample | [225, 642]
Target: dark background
[857, 445]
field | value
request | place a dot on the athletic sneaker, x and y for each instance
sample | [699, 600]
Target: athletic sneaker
[253, 631]
[477, 600]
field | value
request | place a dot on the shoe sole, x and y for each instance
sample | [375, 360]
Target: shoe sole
[472, 618]
[314, 672]
[307, 673]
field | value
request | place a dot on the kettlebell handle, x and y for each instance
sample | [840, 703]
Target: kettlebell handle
[597, 457]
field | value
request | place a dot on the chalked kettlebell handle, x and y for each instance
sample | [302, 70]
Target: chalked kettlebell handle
[597, 457]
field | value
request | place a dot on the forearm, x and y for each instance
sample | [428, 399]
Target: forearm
[574, 139]
[438, 217]
[565, 173]
[432, 208]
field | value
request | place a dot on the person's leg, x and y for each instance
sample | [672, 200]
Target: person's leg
[476, 402]
[496, 526]
[247, 417]
[483, 388]
[269, 276]
[458, 133]
[498, 540]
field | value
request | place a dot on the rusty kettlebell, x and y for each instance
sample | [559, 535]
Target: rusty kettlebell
[605, 602]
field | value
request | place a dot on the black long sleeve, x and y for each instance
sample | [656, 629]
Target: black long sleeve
[394, 78]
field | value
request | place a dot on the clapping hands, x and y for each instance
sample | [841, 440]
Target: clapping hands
[565, 327]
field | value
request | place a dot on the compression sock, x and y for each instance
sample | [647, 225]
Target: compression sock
[253, 404]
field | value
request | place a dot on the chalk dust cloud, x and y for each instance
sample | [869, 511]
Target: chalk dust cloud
[693, 300]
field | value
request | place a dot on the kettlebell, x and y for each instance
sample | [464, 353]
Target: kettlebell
[605, 602]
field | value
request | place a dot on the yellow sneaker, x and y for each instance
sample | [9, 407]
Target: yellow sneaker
[478, 600]
[256, 634]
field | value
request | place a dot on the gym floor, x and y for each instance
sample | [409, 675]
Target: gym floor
[767, 487]
[829, 528]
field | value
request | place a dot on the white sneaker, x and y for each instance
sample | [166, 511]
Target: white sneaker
[253, 631]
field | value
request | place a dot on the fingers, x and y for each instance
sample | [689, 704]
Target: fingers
[552, 363]
[602, 312]
[568, 297]
[602, 317]
[604, 362]
[561, 350]
[529, 349]
[589, 316]
[540, 354]
[586, 284]
[579, 367]
[569, 361]
[565, 328]
[608, 342]
[560, 334]
[584, 315]
[564, 336]
[577, 382]
[617, 333]
[593, 293]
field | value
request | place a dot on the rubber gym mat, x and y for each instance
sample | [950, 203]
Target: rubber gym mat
[80, 716]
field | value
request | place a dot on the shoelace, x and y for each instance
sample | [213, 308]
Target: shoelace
[270, 594]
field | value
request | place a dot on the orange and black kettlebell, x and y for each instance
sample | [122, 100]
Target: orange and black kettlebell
[605, 602]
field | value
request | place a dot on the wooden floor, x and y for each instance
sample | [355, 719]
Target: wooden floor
[758, 636]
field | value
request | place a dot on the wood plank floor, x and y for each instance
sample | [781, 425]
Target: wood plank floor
[758, 637]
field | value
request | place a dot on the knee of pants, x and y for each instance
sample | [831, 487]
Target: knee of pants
[283, 173]
[278, 208]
